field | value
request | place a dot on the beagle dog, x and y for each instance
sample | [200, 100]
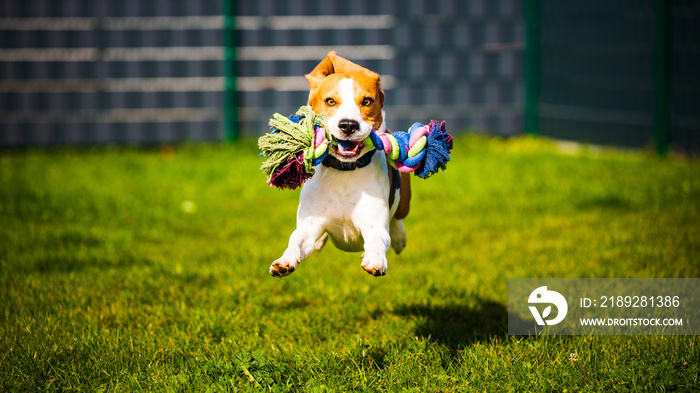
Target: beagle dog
[354, 198]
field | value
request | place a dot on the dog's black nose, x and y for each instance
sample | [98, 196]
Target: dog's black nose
[348, 126]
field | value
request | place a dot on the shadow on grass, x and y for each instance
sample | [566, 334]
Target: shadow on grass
[605, 202]
[457, 325]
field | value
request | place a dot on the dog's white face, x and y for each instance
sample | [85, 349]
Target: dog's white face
[350, 98]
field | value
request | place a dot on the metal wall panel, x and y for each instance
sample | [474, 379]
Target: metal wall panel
[600, 77]
[685, 78]
[596, 76]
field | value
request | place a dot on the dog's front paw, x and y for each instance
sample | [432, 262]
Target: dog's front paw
[374, 264]
[283, 267]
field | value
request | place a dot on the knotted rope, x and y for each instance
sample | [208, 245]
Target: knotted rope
[299, 142]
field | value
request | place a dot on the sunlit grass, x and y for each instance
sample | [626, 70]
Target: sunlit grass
[127, 269]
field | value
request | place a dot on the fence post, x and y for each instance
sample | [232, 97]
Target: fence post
[231, 125]
[532, 66]
[662, 85]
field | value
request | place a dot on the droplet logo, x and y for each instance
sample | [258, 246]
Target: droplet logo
[542, 296]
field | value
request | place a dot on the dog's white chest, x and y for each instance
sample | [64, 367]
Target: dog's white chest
[344, 201]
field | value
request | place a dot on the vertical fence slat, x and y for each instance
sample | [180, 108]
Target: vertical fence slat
[231, 131]
[662, 59]
[532, 66]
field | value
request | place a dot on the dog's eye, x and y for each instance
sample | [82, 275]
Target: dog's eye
[367, 102]
[330, 102]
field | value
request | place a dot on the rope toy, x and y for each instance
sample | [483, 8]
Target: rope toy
[294, 146]
[424, 149]
[299, 142]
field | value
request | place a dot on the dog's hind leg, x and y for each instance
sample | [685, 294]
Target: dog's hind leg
[321, 241]
[398, 235]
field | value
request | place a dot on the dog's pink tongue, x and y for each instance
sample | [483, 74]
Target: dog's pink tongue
[349, 149]
[347, 153]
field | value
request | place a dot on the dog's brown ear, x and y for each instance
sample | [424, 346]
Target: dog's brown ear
[334, 64]
[322, 70]
[344, 66]
[380, 92]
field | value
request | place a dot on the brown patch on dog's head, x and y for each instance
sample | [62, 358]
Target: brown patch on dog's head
[323, 83]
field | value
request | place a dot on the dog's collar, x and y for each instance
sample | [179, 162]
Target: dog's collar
[332, 162]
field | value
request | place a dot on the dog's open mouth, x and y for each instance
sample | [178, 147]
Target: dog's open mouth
[349, 149]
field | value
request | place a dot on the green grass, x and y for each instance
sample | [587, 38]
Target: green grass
[111, 280]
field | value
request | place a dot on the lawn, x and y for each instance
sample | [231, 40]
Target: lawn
[125, 269]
